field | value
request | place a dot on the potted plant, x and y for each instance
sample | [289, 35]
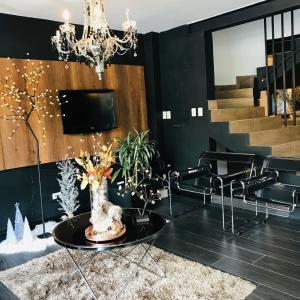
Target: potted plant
[134, 155]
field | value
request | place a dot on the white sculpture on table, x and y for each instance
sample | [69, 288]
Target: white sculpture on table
[105, 217]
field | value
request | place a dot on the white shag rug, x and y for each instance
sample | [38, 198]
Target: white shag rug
[42, 278]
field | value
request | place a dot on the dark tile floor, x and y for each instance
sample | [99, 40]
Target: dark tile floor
[267, 254]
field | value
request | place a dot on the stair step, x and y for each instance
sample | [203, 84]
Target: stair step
[291, 148]
[225, 87]
[256, 124]
[291, 155]
[240, 113]
[230, 103]
[243, 82]
[235, 93]
[274, 136]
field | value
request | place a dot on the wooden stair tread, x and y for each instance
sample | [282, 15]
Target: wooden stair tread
[255, 124]
[273, 137]
[230, 103]
[289, 154]
[287, 148]
[230, 114]
[235, 93]
[281, 128]
[225, 87]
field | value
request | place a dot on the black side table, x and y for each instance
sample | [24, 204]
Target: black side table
[70, 234]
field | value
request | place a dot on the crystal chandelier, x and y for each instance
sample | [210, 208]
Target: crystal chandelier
[98, 43]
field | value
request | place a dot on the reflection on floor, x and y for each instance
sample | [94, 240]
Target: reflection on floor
[267, 254]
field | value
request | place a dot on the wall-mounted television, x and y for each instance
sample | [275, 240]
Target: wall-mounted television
[87, 111]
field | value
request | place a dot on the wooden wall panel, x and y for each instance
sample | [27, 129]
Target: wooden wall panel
[129, 86]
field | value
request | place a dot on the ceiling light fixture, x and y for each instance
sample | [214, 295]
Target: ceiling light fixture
[98, 43]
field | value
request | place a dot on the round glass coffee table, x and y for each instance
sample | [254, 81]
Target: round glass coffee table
[71, 235]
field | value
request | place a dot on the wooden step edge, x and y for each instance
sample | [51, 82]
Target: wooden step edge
[281, 128]
[259, 118]
[225, 87]
[253, 108]
[290, 155]
[254, 125]
[293, 146]
[232, 99]
[242, 93]
[269, 144]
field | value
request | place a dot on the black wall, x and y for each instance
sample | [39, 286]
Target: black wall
[183, 86]
[21, 35]
[18, 36]
[21, 185]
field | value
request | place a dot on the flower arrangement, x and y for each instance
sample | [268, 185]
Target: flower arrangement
[96, 167]
[93, 171]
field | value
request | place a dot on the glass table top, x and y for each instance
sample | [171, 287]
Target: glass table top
[71, 233]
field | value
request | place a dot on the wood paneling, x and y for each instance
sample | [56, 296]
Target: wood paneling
[129, 86]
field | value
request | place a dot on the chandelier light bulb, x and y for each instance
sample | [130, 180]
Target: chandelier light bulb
[66, 16]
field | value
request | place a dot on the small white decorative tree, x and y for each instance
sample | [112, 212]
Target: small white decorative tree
[27, 235]
[68, 189]
[19, 223]
[10, 234]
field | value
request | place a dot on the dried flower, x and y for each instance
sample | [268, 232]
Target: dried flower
[95, 167]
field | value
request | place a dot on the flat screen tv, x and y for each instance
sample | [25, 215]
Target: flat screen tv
[87, 111]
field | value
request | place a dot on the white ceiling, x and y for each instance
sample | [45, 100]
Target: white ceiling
[151, 15]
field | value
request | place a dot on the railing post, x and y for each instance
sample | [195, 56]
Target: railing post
[274, 66]
[293, 68]
[267, 67]
[283, 68]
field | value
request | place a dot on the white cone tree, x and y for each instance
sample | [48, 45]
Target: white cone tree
[10, 234]
[19, 223]
[27, 235]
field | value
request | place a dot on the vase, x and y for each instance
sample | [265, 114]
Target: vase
[101, 193]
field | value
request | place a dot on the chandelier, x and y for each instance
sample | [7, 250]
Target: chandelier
[98, 43]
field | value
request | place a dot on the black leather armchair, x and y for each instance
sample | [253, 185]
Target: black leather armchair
[205, 179]
[259, 191]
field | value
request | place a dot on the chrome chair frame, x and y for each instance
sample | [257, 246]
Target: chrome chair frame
[205, 159]
[242, 185]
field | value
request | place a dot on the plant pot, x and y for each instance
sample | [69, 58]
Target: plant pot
[143, 219]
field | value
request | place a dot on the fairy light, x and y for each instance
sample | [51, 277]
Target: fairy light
[19, 102]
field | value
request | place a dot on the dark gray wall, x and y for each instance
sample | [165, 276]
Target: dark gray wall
[183, 86]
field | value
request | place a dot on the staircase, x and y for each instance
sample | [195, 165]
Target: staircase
[242, 127]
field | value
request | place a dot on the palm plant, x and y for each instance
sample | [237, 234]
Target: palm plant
[134, 155]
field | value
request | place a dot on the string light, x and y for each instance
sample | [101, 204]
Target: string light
[19, 102]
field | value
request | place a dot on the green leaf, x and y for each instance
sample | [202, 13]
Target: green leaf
[116, 173]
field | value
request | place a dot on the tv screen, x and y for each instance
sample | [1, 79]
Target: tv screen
[87, 111]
